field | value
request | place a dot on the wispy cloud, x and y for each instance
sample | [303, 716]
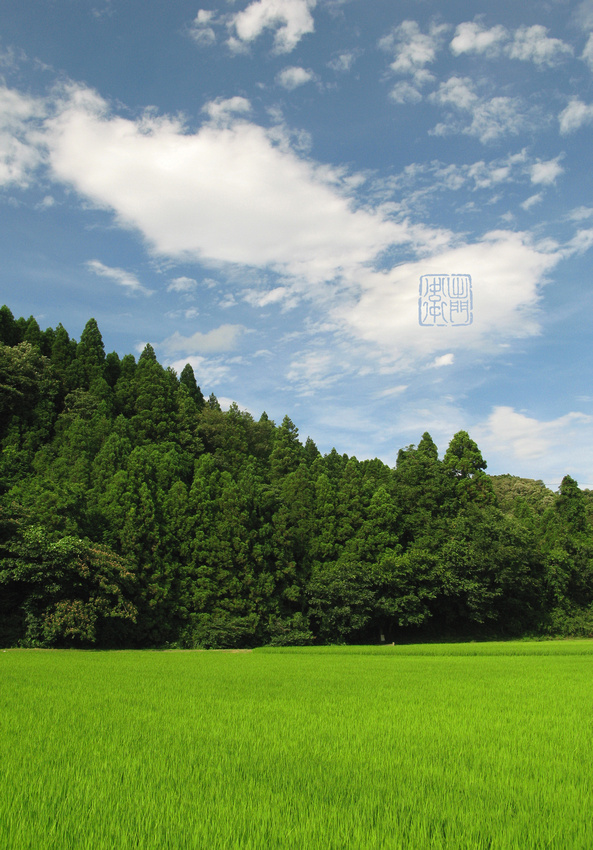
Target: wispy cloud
[201, 29]
[487, 118]
[343, 62]
[20, 152]
[182, 284]
[123, 278]
[223, 338]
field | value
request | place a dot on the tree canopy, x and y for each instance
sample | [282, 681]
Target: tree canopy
[135, 512]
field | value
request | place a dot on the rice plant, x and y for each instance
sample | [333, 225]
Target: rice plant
[450, 746]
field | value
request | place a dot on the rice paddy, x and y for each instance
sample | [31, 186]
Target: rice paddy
[438, 746]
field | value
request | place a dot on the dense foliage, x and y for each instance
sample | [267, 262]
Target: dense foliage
[134, 511]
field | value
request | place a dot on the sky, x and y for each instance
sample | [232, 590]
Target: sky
[373, 216]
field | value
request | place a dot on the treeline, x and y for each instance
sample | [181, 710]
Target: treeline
[135, 512]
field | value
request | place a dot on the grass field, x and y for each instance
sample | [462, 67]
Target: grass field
[450, 746]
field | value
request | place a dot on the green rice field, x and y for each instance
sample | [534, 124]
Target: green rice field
[485, 745]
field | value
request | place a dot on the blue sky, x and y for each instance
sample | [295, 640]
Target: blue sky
[257, 187]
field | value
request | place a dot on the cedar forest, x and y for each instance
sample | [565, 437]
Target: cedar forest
[134, 512]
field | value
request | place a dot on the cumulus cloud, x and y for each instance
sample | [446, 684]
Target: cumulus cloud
[443, 360]
[290, 20]
[507, 272]
[201, 30]
[123, 278]
[527, 44]
[224, 110]
[223, 338]
[546, 172]
[293, 77]
[412, 49]
[472, 37]
[412, 52]
[518, 437]
[532, 44]
[234, 195]
[405, 92]
[227, 193]
[456, 91]
[575, 116]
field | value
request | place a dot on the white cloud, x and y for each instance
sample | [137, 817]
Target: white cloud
[490, 118]
[225, 402]
[413, 50]
[392, 391]
[201, 30]
[223, 110]
[518, 437]
[587, 54]
[528, 44]
[584, 15]
[581, 213]
[290, 19]
[20, 153]
[546, 172]
[495, 118]
[582, 241]
[575, 115]
[123, 278]
[224, 194]
[419, 182]
[405, 92]
[182, 284]
[293, 77]
[443, 360]
[507, 273]
[278, 295]
[344, 61]
[233, 194]
[531, 44]
[532, 201]
[46, 203]
[456, 91]
[313, 370]
[471, 37]
[223, 338]
[209, 372]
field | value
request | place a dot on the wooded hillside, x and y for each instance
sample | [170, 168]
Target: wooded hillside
[135, 512]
